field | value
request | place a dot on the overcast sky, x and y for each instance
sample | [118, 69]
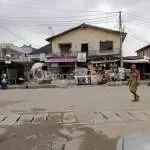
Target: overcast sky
[32, 21]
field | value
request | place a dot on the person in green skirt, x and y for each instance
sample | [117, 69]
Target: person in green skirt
[134, 82]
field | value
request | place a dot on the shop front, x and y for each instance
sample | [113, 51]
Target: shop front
[101, 66]
[13, 70]
[61, 65]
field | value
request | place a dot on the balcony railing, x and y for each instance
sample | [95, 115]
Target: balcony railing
[74, 53]
[90, 53]
[103, 53]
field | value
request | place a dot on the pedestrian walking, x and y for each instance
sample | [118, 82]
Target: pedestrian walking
[134, 82]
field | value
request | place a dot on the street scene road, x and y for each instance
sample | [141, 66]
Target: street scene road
[78, 118]
[74, 75]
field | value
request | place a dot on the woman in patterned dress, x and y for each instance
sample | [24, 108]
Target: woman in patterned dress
[133, 82]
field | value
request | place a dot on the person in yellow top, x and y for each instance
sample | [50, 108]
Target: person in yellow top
[134, 82]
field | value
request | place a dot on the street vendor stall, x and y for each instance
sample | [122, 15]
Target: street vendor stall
[82, 80]
[81, 76]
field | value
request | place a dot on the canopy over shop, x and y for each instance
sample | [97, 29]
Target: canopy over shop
[61, 64]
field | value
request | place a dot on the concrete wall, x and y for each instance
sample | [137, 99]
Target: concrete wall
[88, 35]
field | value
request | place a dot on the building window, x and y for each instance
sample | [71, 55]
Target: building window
[84, 48]
[106, 46]
[65, 49]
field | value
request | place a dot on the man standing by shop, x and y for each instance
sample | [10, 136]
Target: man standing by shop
[4, 80]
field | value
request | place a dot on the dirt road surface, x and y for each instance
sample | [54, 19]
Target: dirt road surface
[52, 137]
[79, 118]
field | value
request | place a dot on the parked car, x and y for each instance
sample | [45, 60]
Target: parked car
[139, 141]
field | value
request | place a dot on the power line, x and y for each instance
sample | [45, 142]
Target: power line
[131, 33]
[64, 22]
[138, 20]
[81, 20]
[58, 17]
[135, 23]
[65, 10]
[13, 33]
[21, 39]
[137, 38]
[61, 25]
[136, 35]
[103, 19]
[141, 23]
[136, 16]
[110, 17]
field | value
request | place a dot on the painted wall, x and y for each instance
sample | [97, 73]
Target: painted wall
[88, 35]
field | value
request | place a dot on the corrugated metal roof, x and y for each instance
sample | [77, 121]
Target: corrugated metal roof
[47, 49]
[145, 47]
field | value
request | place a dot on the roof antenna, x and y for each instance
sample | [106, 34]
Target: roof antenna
[51, 30]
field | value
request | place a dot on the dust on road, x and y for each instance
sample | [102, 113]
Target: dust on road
[4, 103]
[49, 137]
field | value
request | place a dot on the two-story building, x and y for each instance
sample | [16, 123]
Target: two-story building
[101, 46]
[144, 51]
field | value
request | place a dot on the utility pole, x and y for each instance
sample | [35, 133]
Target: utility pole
[120, 29]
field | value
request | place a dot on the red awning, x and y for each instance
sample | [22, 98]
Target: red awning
[61, 59]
